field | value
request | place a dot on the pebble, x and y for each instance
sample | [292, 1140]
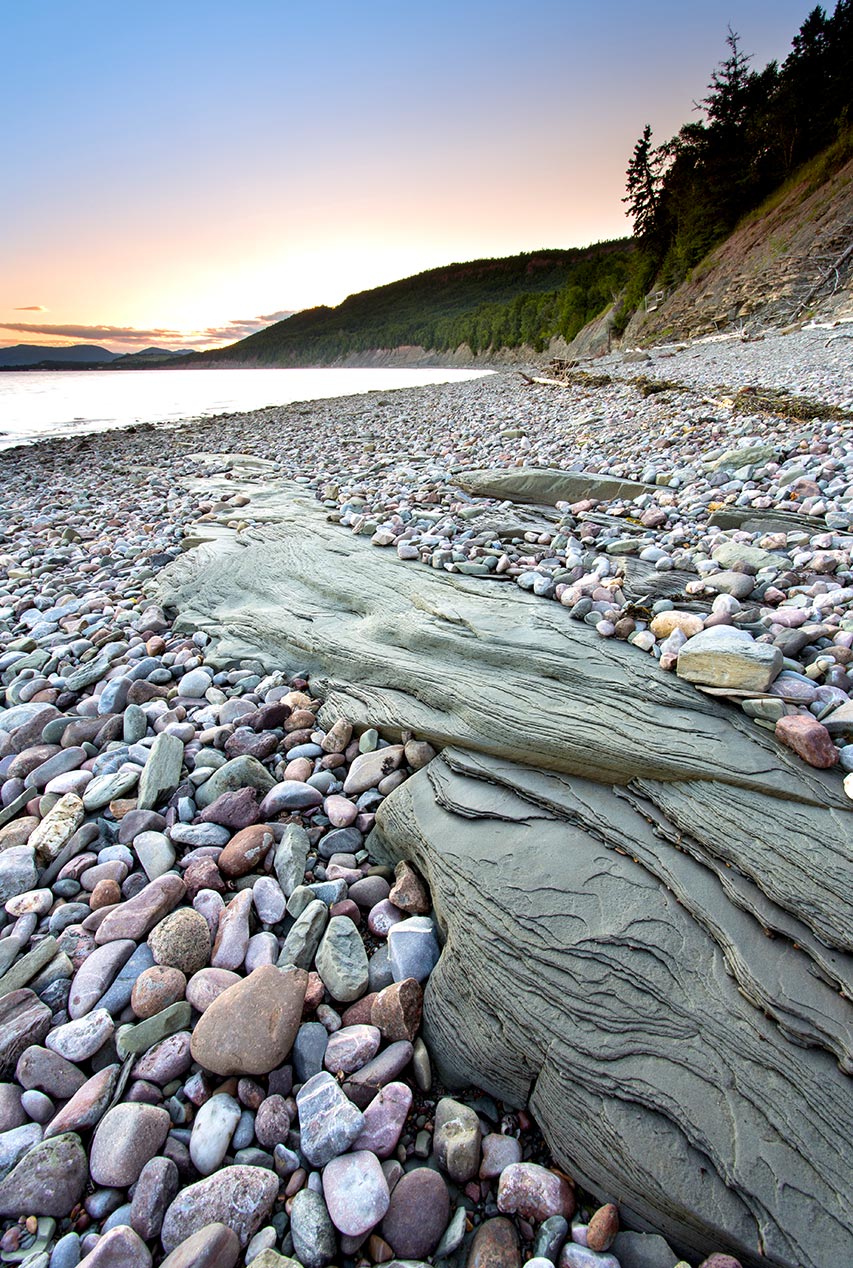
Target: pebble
[151, 755]
[356, 1192]
[418, 1214]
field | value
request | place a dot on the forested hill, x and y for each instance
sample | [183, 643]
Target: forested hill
[521, 300]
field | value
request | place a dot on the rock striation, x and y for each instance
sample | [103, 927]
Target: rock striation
[645, 902]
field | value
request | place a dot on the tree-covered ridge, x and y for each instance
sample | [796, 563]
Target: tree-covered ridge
[687, 194]
[486, 304]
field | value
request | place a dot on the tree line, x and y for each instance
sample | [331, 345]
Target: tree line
[688, 193]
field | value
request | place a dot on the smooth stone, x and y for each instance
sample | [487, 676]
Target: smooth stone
[118, 996]
[250, 1027]
[329, 1122]
[240, 1197]
[418, 1214]
[161, 773]
[239, 772]
[369, 769]
[207, 985]
[534, 1193]
[269, 900]
[81, 1039]
[88, 1104]
[156, 1187]
[721, 658]
[131, 1040]
[342, 960]
[356, 1192]
[96, 975]
[155, 853]
[136, 917]
[288, 796]
[57, 828]
[232, 934]
[181, 940]
[290, 858]
[48, 1072]
[499, 1152]
[127, 1137]
[495, 1245]
[351, 1048]
[121, 1247]
[300, 945]
[214, 1246]
[213, 1127]
[643, 1250]
[363, 1085]
[309, 1050]
[314, 1240]
[384, 1119]
[456, 1140]
[49, 1180]
[18, 871]
[164, 1061]
[413, 948]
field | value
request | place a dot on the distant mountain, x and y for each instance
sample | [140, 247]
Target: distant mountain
[522, 300]
[155, 354]
[23, 354]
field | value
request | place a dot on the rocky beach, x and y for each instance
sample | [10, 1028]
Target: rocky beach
[425, 825]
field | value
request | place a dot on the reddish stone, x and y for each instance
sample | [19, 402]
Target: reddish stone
[603, 1227]
[346, 907]
[397, 1010]
[809, 739]
[314, 993]
[245, 851]
[534, 1193]
[203, 874]
[233, 810]
[495, 1245]
[358, 1014]
[720, 1261]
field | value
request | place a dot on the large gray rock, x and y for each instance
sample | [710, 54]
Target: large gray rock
[545, 486]
[609, 901]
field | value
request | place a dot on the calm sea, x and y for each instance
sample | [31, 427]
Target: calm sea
[64, 403]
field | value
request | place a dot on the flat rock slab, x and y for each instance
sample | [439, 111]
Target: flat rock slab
[606, 904]
[546, 486]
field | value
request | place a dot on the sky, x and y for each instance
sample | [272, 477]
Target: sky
[182, 174]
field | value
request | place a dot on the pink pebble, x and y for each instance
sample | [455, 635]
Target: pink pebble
[341, 812]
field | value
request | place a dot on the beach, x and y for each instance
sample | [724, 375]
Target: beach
[178, 823]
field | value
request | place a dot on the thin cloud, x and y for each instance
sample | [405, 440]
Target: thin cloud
[132, 337]
[31, 308]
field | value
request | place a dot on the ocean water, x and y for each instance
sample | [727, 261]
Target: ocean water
[37, 404]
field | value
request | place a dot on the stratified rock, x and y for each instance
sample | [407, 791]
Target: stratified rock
[582, 946]
[485, 831]
[546, 486]
[250, 1027]
[240, 1197]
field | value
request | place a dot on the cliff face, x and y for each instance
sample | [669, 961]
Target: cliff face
[783, 264]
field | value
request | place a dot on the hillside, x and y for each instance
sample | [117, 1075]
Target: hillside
[508, 303]
[789, 260]
[31, 354]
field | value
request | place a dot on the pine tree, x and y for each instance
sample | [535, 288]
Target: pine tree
[643, 187]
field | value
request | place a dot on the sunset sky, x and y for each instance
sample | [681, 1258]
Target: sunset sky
[181, 174]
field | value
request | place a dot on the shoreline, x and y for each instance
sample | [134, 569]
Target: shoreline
[91, 520]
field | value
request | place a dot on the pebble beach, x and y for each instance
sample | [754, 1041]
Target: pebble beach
[210, 993]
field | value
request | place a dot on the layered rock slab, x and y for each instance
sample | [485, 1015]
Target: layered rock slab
[607, 904]
[605, 977]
